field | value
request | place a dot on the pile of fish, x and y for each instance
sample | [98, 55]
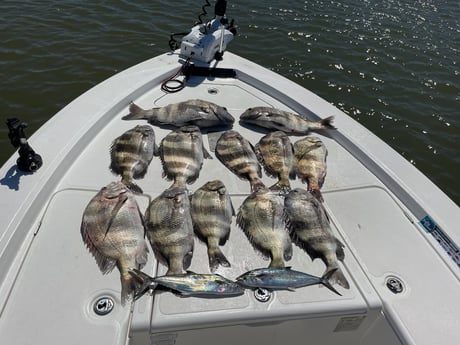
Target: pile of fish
[272, 218]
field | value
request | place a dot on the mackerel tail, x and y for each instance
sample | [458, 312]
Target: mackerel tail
[325, 280]
[144, 281]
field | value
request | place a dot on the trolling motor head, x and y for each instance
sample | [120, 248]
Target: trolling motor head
[28, 160]
[207, 41]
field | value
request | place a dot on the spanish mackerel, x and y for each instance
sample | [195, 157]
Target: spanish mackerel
[113, 230]
[192, 112]
[281, 120]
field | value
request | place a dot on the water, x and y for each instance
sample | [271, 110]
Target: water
[392, 65]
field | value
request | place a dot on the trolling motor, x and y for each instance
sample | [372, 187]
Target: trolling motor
[207, 41]
[28, 160]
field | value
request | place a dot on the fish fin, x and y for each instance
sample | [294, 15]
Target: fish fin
[336, 276]
[144, 283]
[216, 258]
[188, 259]
[133, 187]
[256, 184]
[289, 288]
[206, 154]
[316, 192]
[325, 280]
[339, 251]
[105, 264]
[121, 201]
[327, 122]
[135, 113]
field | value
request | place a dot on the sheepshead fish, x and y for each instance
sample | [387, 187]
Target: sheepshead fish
[310, 163]
[310, 229]
[192, 112]
[131, 154]
[189, 284]
[212, 212]
[261, 217]
[170, 230]
[113, 230]
[182, 153]
[237, 154]
[281, 279]
[276, 153]
[281, 120]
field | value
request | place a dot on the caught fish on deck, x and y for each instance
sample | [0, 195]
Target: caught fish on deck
[212, 212]
[276, 153]
[310, 229]
[169, 229]
[310, 163]
[237, 154]
[131, 154]
[261, 217]
[189, 284]
[113, 230]
[182, 153]
[281, 279]
[192, 112]
[272, 118]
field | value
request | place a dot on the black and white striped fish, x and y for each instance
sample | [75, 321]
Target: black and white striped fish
[237, 154]
[192, 112]
[131, 154]
[182, 153]
[212, 212]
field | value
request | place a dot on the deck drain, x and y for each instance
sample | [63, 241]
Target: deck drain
[103, 306]
[394, 284]
[213, 91]
[262, 295]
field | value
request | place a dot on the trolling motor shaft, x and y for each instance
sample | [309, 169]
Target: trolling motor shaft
[28, 160]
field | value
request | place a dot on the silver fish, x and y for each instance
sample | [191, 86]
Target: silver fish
[310, 163]
[310, 229]
[182, 153]
[212, 212]
[281, 279]
[261, 217]
[281, 120]
[237, 154]
[113, 230]
[131, 154]
[192, 112]
[276, 153]
[170, 230]
[190, 284]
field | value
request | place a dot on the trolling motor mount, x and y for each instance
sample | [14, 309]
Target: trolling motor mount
[28, 160]
[207, 41]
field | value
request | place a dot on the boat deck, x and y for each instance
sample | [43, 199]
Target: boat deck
[52, 281]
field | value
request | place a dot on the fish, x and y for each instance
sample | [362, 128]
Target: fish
[189, 284]
[112, 228]
[276, 153]
[131, 154]
[310, 229]
[212, 212]
[282, 279]
[182, 153]
[272, 118]
[237, 154]
[191, 112]
[169, 229]
[310, 163]
[261, 217]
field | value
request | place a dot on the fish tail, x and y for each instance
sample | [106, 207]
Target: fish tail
[128, 287]
[142, 283]
[316, 193]
[335, 275]
[132, 186]
[327, 123]
[135, 113]
[216, 258]
[325, 280]
[256, 184]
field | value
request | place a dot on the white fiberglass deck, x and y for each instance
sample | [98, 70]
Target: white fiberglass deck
[51, 281]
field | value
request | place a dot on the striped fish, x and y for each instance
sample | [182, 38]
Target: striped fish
[169, 229]
[212, 212]
[310, 228]
[237, 154]
[131, 154]
[113, 230]
[261, 217]
[182, 153]
[281, 120]
[310, 163]
[276, 153]
[192, 112]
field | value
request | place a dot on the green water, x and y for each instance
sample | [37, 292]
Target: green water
[391, 65]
